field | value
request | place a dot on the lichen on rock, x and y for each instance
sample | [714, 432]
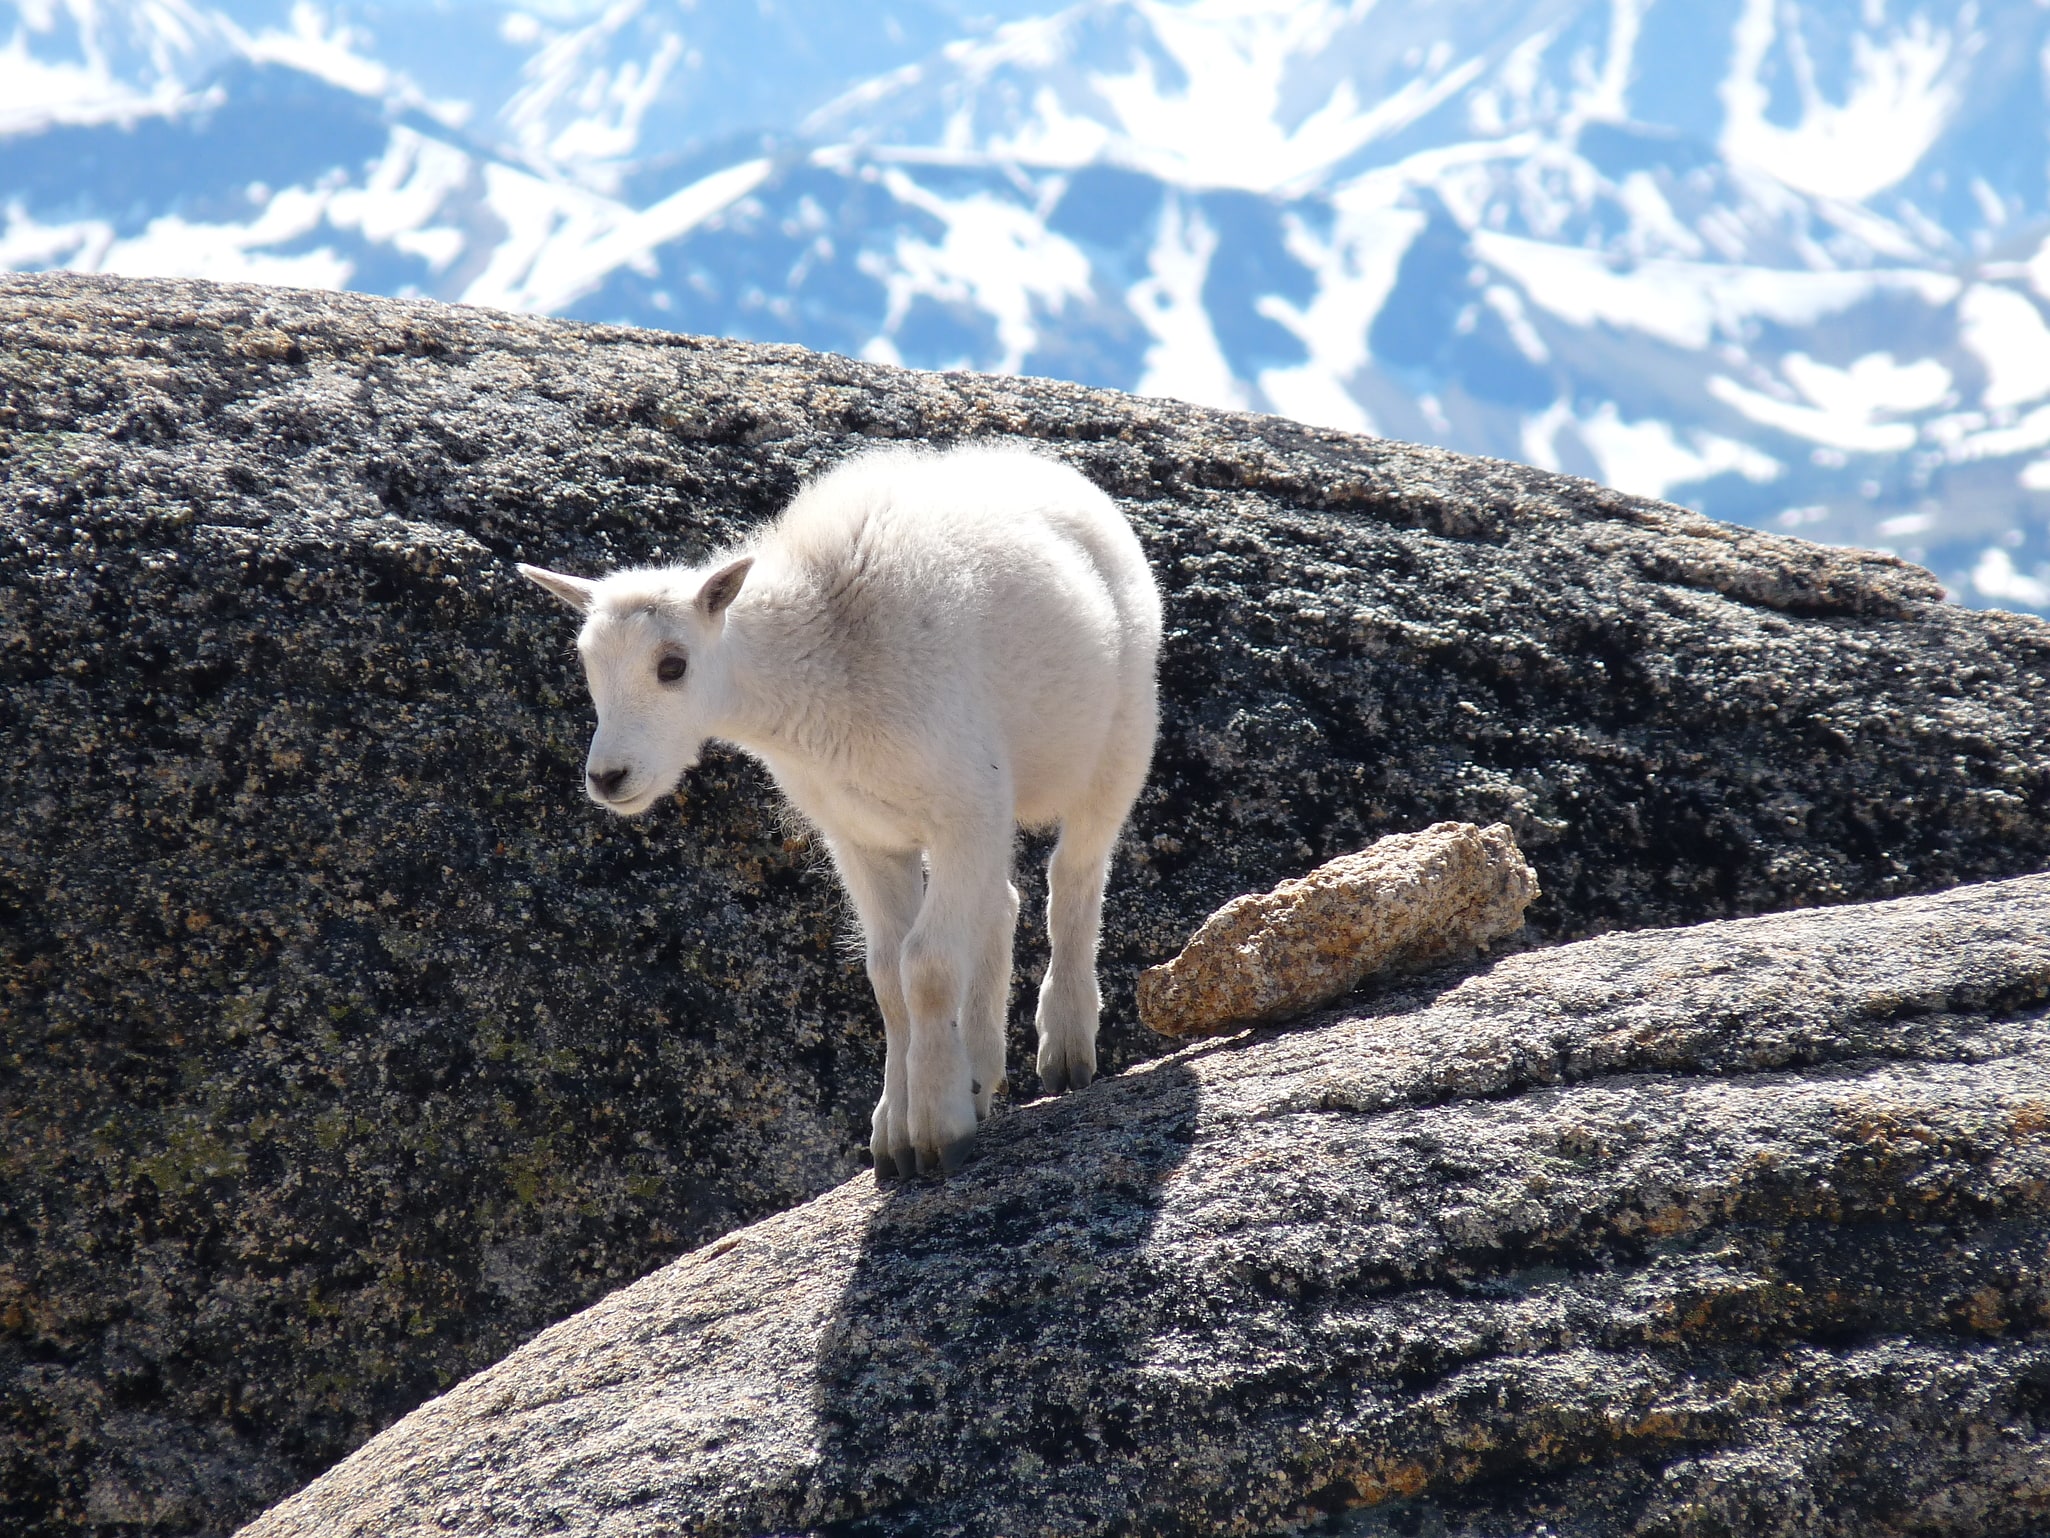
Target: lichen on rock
[1407, 902]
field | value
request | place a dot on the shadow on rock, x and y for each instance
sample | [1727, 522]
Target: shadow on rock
[958, 1363]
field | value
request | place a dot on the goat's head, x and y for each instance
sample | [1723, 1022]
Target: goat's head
[654, 654]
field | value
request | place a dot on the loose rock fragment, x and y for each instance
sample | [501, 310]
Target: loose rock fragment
[1410, 901]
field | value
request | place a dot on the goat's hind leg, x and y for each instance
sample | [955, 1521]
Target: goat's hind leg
[886, 887]
[949, 959]
[1069, 1000]
[989, 1006]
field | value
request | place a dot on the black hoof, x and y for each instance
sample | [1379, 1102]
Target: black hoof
[1080, 1076]
[955, 1154]
[1052, 1080]
[886, 1167]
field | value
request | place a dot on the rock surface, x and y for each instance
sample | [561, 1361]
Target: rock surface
[1738, 1229]
[1409, 902]
[343, 1046]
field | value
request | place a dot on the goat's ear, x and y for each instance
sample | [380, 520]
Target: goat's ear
[578, 592]
[723, 586]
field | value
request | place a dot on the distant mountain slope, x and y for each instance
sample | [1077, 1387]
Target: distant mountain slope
[1783, 263]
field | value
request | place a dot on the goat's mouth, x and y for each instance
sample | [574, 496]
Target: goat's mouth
[626, 798]
[631, 805]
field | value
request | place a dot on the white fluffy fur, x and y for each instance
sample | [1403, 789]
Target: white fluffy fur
[926, 650]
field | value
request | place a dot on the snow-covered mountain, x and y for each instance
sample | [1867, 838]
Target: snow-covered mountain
[1784, 262]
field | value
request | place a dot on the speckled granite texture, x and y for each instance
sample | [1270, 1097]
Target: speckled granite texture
[343, 1045]
[1736, 1230]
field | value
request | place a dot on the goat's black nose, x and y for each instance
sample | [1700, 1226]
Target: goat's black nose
[605, 784]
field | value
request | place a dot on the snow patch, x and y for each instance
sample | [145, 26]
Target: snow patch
[1689, 304]
[1899, 101]
[2004, 330]
[1606, 96]
[171, 247]
[1354, 269]
[1230, 121]
[993, 254]
[561, 241]
[1871, 385]
[1846, 408]
[547, 225]
[576, 107]
[1540, 435]
[325, 48]
[1185, 360]
[1051, 136]
[1997, 577]
[1508, 307]
[415, 179]
[131, 62]
[2028, 435]
[1648, 458]
[29, 246]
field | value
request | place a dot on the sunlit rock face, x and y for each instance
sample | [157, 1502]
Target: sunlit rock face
[1783, 265]
[1728, 1229]
[346, 1044]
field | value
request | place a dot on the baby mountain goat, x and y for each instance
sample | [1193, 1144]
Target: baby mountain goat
[926, 650]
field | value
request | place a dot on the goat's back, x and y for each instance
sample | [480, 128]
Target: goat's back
[983, 587]
[990, 538]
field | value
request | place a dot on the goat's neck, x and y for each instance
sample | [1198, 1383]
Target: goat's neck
[784, 683]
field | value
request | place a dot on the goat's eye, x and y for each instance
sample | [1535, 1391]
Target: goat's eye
[669, 669]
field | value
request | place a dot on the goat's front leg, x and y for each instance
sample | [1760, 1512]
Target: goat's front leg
[950, 950]
[886, 887]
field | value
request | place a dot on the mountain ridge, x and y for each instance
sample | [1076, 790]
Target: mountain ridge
[1786, 266]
